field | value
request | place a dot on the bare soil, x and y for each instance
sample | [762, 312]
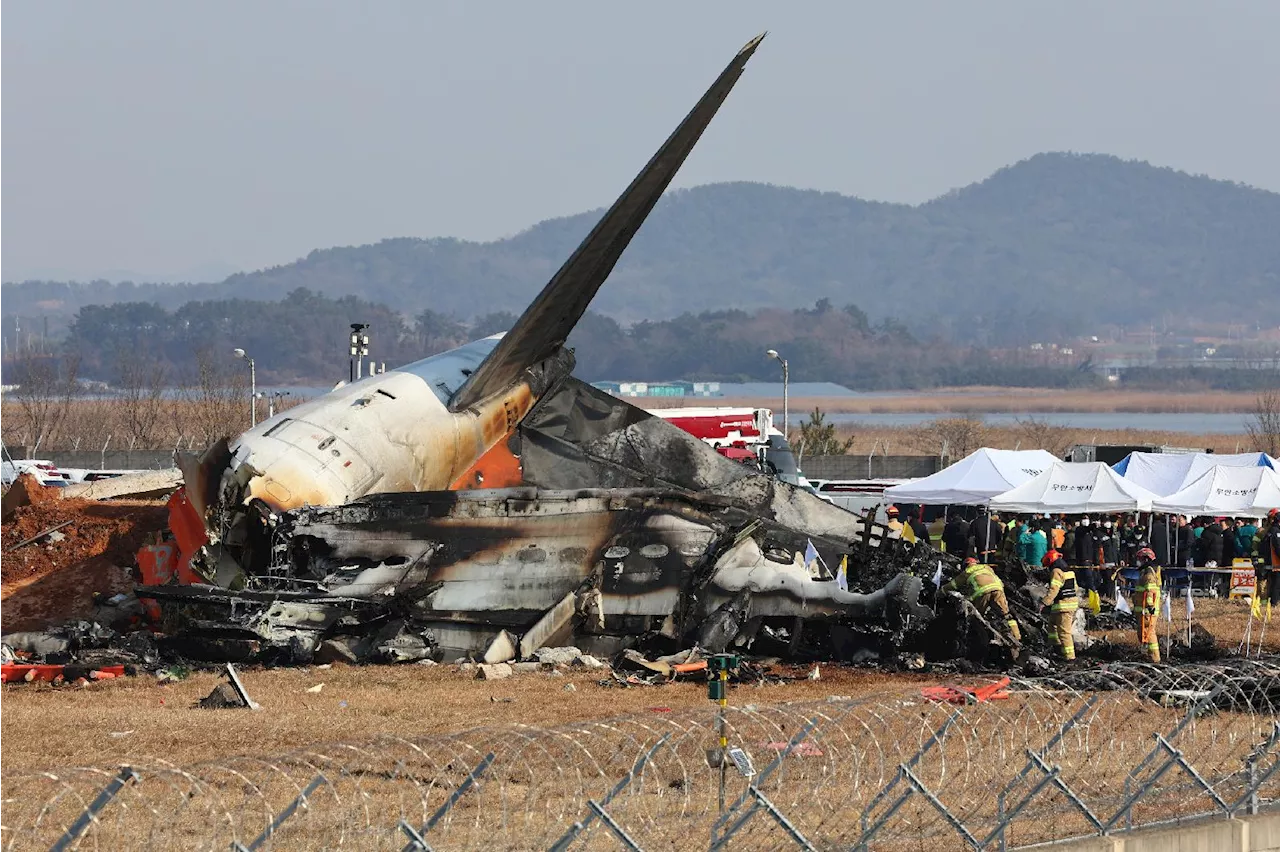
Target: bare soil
[48, 582]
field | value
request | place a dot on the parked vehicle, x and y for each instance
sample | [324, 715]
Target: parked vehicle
[45, 472]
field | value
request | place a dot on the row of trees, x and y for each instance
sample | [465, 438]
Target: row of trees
[303, 338]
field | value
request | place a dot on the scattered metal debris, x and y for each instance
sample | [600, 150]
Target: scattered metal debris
[229, 695]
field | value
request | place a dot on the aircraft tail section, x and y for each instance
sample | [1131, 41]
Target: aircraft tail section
[547, 322]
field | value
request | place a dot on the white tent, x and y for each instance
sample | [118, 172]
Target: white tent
[1165, 473]
[1076, 488]
[1226, 490]
[975, 479]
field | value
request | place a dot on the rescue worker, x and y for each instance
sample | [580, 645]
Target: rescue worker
[1063, 603]
[1009, 541]
[894, 525]
[1266, 557]
[985, 591]
[1146, 603]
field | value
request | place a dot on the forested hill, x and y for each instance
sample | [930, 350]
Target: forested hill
[1061, 240]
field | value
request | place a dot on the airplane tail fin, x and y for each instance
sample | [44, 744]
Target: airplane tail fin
[546, 323]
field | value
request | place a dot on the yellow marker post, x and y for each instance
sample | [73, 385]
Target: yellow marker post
[718, 691]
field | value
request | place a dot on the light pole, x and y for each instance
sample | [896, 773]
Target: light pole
[253, 387]
[786, 381]
[359, 348]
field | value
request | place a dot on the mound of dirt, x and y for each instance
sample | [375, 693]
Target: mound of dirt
[54, 578]
[25, 491]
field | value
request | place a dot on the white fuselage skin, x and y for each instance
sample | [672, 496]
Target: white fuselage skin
[389, 432]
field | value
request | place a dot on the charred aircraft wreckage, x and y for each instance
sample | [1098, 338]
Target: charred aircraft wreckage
[427, 510]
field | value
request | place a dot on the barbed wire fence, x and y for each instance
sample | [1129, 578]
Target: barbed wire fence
[1093, 752]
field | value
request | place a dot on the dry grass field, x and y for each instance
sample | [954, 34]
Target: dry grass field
[393, 742]
[983, 400]
[123, 719]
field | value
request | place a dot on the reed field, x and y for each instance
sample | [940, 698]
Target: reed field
[191, 424]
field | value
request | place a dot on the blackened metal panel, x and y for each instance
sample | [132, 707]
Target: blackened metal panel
[579, 431]
[578, 436]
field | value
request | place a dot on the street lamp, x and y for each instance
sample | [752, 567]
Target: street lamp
[253, 387]
[786, 381]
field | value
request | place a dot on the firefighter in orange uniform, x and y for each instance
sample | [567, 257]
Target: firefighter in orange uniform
[1146, 602]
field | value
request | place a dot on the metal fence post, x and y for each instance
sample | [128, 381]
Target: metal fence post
[1175, 758]
[1253, 782]
[417, 843]
[299, 802]
[90, 815]
[869, 829]
[598, 809]
[1192, 712]
[1004, 816]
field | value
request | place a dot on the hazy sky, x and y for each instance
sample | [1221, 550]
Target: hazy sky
[164, 139]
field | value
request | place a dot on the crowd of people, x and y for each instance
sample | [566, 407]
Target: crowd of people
[1139, 554]
[1106, 547]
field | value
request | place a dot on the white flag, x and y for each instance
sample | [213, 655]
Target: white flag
[1191, 605]
[810, 554]
[1122, 603]
[937, 576]
[842, 575]
[1168, 609]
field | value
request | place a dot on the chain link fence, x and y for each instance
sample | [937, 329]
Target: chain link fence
[1095, 752]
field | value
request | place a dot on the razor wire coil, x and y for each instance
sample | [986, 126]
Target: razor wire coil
[1173, 743]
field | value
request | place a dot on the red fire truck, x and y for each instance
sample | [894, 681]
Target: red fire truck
[745, 435]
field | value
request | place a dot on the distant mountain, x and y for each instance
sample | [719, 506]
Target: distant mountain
[1061, 241]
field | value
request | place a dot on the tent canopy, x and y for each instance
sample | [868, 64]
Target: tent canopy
[1165, 473]
[975, 479]
[1226, 490]
[1076, 488]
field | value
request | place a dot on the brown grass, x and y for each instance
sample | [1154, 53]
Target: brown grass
[542, 778]
[907, 440]
[76, 724]
[981, 400]
[91, 423]
[1226, 621]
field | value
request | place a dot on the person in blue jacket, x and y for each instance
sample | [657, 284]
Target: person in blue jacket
[1033, 543]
